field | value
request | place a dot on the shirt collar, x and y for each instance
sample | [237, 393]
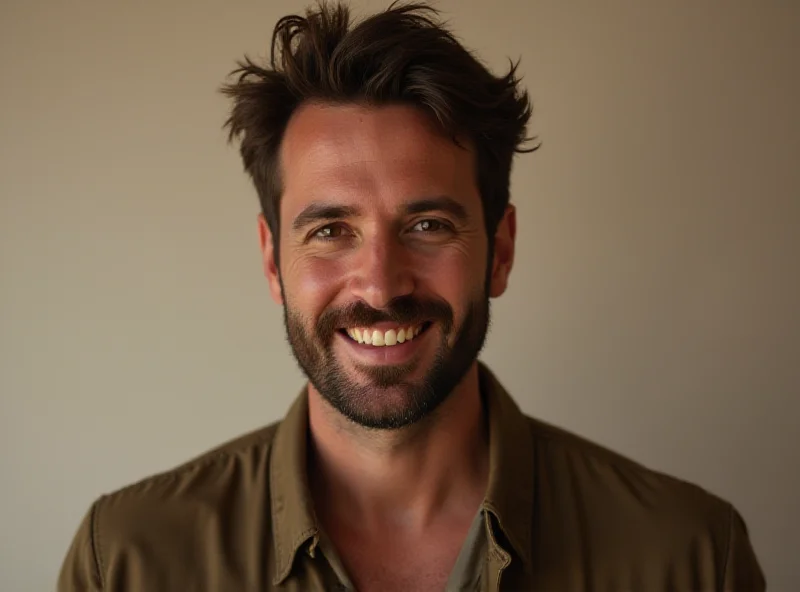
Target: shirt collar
[509, 495]
[510, 492]
[293, 518]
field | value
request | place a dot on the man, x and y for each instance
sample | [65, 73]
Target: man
[381, 153]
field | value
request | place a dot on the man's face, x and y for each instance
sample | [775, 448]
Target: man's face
[383, 260]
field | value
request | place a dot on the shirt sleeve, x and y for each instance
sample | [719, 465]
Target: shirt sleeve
[742, 571]
[80, 570]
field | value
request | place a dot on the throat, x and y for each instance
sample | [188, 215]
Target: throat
[407, 478]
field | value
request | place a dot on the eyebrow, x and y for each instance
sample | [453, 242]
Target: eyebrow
[320, 212]
[317, 212]
[441, 203]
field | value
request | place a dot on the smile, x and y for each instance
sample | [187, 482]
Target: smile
[385, 337]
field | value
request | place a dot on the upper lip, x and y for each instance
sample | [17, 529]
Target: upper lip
[383, 325]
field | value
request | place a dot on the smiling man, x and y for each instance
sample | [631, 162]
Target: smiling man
[381, 153]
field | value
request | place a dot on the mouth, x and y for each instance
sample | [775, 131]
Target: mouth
[385, 335]
[386, 343]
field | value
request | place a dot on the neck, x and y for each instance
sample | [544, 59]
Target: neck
[406, 478]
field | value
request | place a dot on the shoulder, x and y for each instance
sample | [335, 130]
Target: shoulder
[623, 515]
[174, 511]
[160, 520]
[236, 464]
[627, 511]
[205, 469]
[611, 475]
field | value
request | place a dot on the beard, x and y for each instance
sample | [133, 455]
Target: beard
[386, 398]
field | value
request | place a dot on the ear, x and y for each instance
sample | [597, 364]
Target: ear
[503, 252]
[271, 271]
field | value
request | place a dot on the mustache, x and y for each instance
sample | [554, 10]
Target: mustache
[403, 310]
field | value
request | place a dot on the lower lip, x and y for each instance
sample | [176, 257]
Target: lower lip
[385, 354]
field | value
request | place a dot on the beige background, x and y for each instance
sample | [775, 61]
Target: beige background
[654, 306]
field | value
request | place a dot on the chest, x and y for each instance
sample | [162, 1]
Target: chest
[391, 563]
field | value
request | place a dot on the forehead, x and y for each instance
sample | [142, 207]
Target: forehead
[374, 157]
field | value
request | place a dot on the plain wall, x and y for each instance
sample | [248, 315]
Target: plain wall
[653, 307]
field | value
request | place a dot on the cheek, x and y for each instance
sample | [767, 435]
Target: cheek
[454, 274]
[312, 283]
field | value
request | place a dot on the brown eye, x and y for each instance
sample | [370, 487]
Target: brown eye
[329, 232]
[427, 225]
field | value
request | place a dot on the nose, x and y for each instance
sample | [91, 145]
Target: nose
[382, 272]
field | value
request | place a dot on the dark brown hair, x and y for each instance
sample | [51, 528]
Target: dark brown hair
[402, 55]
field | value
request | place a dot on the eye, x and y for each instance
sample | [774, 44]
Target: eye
[329, 232]
[428, 225]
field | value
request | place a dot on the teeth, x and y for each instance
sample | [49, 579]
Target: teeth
[381, 339]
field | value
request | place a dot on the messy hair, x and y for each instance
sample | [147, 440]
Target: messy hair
[402, 55]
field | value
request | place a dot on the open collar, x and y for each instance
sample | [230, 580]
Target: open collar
[509, 495]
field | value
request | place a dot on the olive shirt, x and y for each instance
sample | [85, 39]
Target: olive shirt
[560, 513]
